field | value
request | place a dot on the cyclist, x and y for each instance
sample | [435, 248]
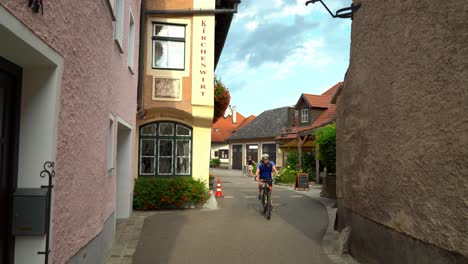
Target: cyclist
[264, 170]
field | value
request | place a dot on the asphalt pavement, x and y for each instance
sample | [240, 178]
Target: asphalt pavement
[237, 232]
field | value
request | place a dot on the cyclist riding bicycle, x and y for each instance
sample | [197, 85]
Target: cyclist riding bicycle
[264, 170]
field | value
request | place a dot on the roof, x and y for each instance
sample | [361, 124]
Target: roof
[326, 117]
[320, 101]
[223, 128]
[267, 124]
[245, 122]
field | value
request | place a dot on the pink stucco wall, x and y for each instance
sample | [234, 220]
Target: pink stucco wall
[95, 82]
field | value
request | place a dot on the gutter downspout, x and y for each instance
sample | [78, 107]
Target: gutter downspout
[144, 12]
[141, 53]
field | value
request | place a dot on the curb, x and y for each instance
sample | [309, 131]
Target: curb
[331, 236]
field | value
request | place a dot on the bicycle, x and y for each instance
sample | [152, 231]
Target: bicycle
[266, 197]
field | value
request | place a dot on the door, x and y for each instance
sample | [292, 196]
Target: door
[237, 157]
[252, 150]
[10, 86]
[270, 149]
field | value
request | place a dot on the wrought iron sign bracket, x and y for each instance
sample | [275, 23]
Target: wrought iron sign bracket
[36, 5]
[346, 12]
[49, 171]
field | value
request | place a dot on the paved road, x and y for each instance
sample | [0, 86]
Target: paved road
[237, 232]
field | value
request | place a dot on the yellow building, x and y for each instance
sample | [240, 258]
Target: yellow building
[181, 42]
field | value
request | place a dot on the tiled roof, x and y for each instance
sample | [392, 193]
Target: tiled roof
[323, 100]
[316, 100]
[267, 124]
[330, 92]
[245, 122]
[223, 128]
[327, 116]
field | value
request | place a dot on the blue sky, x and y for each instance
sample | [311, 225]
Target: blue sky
[278, 49]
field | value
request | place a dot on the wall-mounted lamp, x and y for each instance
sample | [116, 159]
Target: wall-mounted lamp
[346, 12]
[36, 5]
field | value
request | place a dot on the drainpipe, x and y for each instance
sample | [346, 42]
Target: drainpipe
[141, 52]
[145, 12]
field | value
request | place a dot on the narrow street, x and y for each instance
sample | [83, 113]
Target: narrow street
[237, 232]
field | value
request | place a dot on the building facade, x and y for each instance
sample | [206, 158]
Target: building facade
[258, 137]
[182, 44]
[68, 78]
[402, 122]
[224, 128]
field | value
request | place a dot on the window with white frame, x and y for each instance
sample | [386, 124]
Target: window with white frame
[304, 115]
[165, 149]
[224, 154]
[119, 22]
[131, 42]
[168, 46]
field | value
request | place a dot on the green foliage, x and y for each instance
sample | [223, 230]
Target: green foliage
[168, 193]
[292, 159]
[308, 162]
[326, 139]
[215, 163]
[286, 175]
[211, 177]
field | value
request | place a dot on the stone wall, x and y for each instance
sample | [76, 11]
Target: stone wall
[402, 122]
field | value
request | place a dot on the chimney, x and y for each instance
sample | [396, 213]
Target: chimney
[234, 114]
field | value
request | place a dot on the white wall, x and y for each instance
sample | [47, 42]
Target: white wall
[123, 170]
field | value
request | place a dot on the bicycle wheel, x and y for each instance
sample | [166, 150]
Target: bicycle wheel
[268, 206]
[264, 201]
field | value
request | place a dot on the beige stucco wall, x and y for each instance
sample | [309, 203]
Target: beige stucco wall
[403, 120]
[194, 107]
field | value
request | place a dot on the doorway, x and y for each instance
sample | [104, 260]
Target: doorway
[237, 157]
[123, 173]
[10, 99]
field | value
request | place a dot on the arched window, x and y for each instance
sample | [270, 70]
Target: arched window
[165, 149]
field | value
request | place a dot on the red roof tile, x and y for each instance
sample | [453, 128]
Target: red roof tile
[330, 92]
[317, 100]
[223, 128]
[326, 117]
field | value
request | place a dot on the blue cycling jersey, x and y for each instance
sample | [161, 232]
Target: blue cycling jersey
[265, 169]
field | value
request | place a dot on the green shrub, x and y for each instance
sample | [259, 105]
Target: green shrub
[326, 139]
[215, 163]
[308, 161]
[286, 175]
[168, 193]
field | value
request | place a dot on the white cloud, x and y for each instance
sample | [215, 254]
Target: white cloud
[252, 25]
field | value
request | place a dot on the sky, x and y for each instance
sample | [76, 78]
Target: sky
[278, 49]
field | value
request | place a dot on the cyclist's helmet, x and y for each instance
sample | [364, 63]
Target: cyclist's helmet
[265, 156]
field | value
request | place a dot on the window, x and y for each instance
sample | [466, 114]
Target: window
[119, 22]
[223, 154]
[304, 115]
[165, 149]
[168, 46]
[131, 43]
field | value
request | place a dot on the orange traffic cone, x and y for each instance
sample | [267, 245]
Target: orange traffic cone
[219, 193]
